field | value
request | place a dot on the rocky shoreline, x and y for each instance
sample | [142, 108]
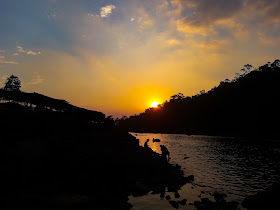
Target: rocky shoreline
[97, 170]
[58, 160]
[266, 199]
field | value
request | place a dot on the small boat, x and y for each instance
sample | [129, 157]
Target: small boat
[156, 140]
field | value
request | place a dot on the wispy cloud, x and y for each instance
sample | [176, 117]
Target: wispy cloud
[36, 80]
[107, 10]
[28, 52]
[3, 61]
[52, 16]
[2, 51]
[8, 62]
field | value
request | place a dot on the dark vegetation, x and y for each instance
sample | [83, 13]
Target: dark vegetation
[248, 105]
[59, 156]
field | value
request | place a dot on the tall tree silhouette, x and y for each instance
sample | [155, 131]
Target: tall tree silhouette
[12, 83]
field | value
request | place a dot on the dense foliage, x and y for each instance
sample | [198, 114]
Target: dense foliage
[12, 83]
[246, 105]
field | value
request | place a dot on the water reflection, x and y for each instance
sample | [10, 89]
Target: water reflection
[234, 166]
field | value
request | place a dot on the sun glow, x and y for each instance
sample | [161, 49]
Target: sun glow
[154, 104]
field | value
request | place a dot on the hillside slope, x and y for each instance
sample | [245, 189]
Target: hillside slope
[73, 158]
[247, 105]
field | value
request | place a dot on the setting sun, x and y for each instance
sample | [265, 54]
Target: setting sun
[154, 104]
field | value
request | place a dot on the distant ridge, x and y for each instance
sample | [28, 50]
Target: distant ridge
[248, 105]
[42, 102]
[33, 113]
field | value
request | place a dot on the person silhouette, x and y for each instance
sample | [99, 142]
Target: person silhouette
[146, 144]
[165, 153]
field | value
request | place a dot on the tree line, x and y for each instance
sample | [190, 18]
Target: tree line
[245, 105]
[11, 94]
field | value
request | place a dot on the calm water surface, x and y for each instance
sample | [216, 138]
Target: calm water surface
[234, 166]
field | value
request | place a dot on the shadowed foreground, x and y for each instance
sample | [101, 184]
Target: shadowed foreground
[266, 199]
[53, 161]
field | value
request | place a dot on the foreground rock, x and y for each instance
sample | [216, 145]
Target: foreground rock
[82, 171]
[267, 199]
[220, 203]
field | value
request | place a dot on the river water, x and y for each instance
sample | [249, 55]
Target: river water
[234, 166]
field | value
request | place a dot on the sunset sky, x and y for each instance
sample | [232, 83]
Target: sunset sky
[118, 56]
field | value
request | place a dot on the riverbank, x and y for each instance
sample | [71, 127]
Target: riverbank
[97, 170]
[253, 137]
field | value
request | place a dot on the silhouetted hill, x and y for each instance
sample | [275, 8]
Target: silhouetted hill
[247, 105]
[36, 101]
[33, 112]
[58, 156]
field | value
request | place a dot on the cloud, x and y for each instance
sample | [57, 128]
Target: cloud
[52, 16]
[145, 21]
[229, 20]
[8, 62]
[107, 10]
[36, 80]
[2, 51]
[30, 52]
[15, 54]
[204, 12]
[268, 9]
[3, 61]
[201, 12]
[173, 42]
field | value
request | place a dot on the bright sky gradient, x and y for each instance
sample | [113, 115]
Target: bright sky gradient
[118, 56]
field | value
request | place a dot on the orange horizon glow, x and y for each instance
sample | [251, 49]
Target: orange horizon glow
[135, 53]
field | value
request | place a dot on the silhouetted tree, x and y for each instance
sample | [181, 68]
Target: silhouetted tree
[257, 89]
[12, 84]
[179, 96]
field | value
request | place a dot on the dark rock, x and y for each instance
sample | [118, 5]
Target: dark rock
[177, 195]
[168, 197]
[219, 196]
[174, 204]
[266, 199]
[206, 204]
[140, 189]
[183, 202]
[205, 200]
[178, 166]
[232, 205]
[172, 188]
[189, 178]
[156, 140]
